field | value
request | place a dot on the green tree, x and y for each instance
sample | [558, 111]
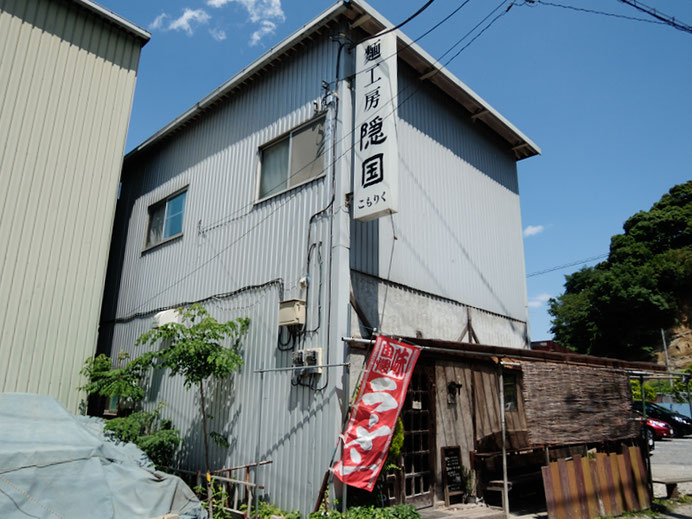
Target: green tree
[195, 350]
[617, 308]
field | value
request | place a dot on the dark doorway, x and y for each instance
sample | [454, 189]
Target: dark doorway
[415, 484]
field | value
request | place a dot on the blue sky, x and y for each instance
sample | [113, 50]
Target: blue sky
[607, 99]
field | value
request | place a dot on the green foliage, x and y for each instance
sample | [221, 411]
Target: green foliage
[394, 447]
[370, 512]
[193, 348]
[649, 392]
[266, 510]
[125, 382]
[160, 446]
[154, 436]
[219, 439]
[678, 389]
[618, 307]
[219, 499]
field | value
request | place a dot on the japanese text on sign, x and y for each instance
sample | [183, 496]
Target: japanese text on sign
[376, 151]
[369, 431]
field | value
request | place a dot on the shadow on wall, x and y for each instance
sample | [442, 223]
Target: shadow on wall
[439, 117]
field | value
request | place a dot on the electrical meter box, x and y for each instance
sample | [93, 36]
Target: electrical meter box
[292, 312]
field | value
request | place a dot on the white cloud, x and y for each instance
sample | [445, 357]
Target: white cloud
[266, 13]
[533, 230]
[189, 19]
[258, 10]
[158, 22]
[266, 27]
[539, 300]
[218, 34]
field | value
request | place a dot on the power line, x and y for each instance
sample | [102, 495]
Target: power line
[333, 162]
[423, 8]
[236, 214]
[566, 265]
[668, 20]
[532, 3]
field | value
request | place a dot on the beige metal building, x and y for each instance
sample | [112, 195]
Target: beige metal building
[67, 77]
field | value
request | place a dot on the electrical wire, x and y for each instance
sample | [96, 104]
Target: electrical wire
[668, 20]
[333, 162]
[235, 215]
[419, 11]
[533, 3]
[572, 264]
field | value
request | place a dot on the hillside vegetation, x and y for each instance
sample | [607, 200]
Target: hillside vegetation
[618, 307]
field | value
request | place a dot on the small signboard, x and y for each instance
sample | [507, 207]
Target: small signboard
[375, 182]
[452, 473]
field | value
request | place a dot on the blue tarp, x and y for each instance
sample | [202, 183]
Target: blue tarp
[54, 464]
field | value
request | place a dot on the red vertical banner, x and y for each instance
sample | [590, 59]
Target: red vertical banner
[373, 418]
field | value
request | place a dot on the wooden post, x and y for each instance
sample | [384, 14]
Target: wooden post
[505, 483]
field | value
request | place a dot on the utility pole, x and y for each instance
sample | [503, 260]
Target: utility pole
[665, 350]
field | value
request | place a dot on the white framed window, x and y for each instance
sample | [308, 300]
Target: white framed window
[292, 159]
[166, 219]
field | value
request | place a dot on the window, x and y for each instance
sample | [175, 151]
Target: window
[293, 159]
[166, 219]
[510, 390]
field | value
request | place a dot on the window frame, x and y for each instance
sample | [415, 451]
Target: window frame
[511, 378]
[152, 207]
[276, 140]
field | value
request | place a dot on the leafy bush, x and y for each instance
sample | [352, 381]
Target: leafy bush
[370, 512]
[155, 437]
[265, 510]
[105, 380]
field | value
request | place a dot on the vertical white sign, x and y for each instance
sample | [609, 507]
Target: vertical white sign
[375, 175]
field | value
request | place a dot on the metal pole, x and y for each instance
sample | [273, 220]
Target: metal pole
[259, 437]
[347, 393]
[646, 440]
[665, 350]
[505, 485]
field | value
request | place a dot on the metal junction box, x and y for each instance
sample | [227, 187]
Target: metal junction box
[291, 312]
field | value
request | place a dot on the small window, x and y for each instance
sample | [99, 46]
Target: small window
[166, 219]
[510, 390]
[293, 159]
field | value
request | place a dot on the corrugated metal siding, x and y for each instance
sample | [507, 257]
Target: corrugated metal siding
[66, 86]
[405, 312]
[229, 243]
[459, 226]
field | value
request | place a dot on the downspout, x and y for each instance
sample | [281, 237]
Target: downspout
[339, 298]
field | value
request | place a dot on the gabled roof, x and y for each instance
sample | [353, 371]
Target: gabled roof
[361, 15]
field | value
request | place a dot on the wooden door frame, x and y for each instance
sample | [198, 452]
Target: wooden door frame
[428, 370]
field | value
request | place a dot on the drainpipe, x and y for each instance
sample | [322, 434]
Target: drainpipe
[340, 241]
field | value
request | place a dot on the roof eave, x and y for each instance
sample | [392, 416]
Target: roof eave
[372, 22]
[431, 70]
[115, 19]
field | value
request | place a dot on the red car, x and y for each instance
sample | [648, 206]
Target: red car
[659, 428]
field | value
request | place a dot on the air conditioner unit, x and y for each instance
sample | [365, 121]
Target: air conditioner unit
[292, 312]
[167, 316]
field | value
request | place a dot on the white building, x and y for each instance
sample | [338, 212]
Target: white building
[246, 200]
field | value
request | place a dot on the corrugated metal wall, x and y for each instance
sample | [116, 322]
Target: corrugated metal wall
[66, 86]
[458, 230]
[230, 243]
[406, 312]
